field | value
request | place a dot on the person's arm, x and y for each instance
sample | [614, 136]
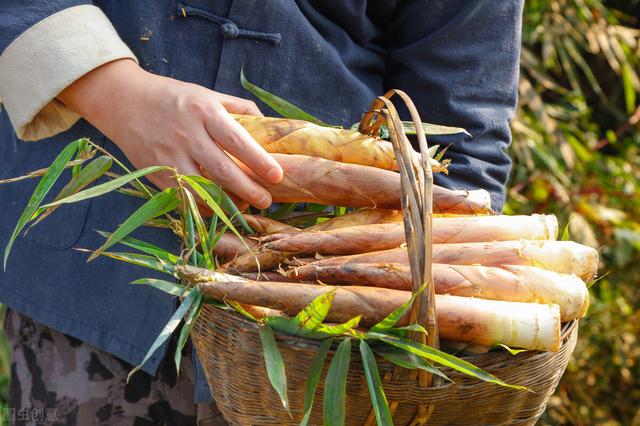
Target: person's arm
[63, 59]
[459, 62]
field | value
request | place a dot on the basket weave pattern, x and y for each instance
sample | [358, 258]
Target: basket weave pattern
[231, 353]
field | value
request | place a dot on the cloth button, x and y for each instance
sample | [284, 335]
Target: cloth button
[229, 30]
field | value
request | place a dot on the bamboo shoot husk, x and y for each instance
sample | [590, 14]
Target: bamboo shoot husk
[509, 283]
[229, 247]
[367, 238]
[287, 136]
[383, 236]
[466, 319]
[316, 180]
[264, 226]
[360, 217]
[565, 257]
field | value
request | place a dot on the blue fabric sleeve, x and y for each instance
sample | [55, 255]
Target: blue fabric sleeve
[459, 62]
[16, 16]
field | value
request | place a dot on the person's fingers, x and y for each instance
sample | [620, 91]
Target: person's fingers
[221, 169]
[239, 106]
[233, 138]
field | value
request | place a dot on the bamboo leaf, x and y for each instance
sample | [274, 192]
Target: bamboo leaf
[101, 189]
[44, 186]
[279, 105]
[80, 180]
[433, 129]
[168, 329]
[172, 288]
[203, 234]
[390, 320]
[315, 312]
[141, 260]
[314, 378]
[274, 364]
[376, 390]
[145, 247]
[161, 203]
[238, 307]
[442, 358]
[335, 385]
[284, 324]
[402, 331]
[213, 205]
[510, 350]
[338, 329]
[222, 198]
[186, 330]
[407, 360]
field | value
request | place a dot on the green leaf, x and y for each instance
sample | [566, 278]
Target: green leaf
[442, 358]
[402, 331]
[376, 390]
[279, 105]
[629, 90]
[238, 307]
[338, 329]
[511, 351]
[168, 329]
[161, 203]
[213, 205]
[103, 188]
[433, 129]
[172, 288]
[314, 378]
[141, 260]
[565, 233]
[335, 385]
[84, 177]
[284, 324]
[600, 278]
[145, 247]
[315, 312]
[186, 330]
[390, 320]
[203, 234]
[406, 359]
[44, 186]
[274, 364]
[223, 199]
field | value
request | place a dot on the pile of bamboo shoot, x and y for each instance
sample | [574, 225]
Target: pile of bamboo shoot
[498, 279]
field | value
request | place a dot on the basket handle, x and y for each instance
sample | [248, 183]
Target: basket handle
[416, 178]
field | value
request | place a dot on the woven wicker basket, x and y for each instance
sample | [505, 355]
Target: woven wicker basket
[231, 353]
[230, 349]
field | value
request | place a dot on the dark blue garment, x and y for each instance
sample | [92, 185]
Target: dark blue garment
[457, 59]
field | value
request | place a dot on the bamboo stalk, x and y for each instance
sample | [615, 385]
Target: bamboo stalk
[509, 283]
[487, 322]
[565, 257]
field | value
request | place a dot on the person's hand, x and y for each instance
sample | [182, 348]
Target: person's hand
[158, 120]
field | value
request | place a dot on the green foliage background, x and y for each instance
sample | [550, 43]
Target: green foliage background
[576, 151]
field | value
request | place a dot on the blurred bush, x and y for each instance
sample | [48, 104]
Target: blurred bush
[576, 151]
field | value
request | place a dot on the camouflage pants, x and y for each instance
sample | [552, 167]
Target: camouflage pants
[59, 380]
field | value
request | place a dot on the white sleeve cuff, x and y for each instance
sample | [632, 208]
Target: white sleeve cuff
[47, 58]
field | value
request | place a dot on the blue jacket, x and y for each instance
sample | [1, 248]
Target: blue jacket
[457, 59]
